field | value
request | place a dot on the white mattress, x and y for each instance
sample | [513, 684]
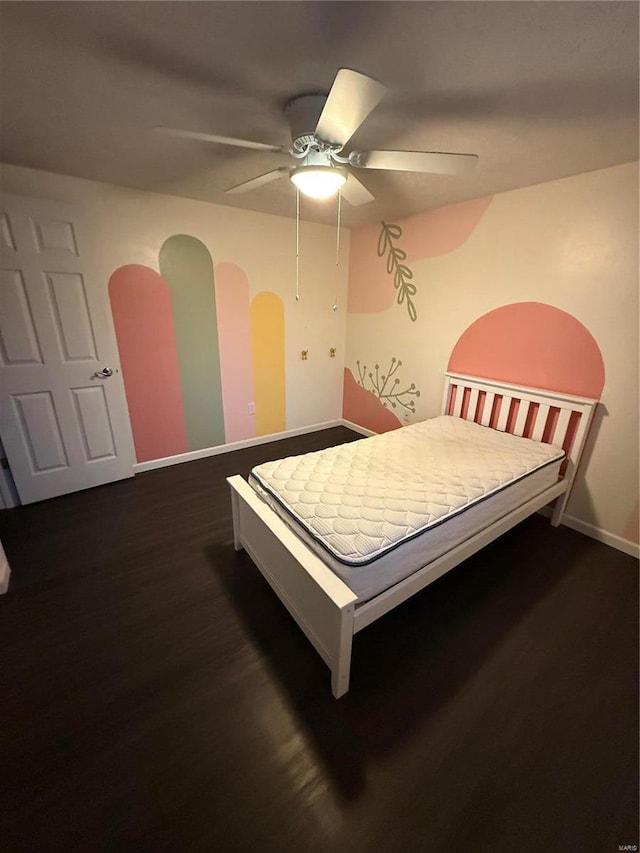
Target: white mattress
[378, 509]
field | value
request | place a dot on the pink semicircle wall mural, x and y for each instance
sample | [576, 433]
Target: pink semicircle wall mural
[534, 344]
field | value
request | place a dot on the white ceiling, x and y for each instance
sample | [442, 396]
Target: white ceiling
[539, 90]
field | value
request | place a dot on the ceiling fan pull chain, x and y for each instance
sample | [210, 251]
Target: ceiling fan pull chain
[297, 245]
[338, 228]
[335, 301]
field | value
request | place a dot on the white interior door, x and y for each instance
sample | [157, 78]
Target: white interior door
[64, 420]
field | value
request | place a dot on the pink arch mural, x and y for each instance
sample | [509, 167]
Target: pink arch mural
[141, 308]
[531, 343]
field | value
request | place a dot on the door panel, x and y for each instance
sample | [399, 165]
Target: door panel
[71, 316]
[64, 427]
[94, 422]
[18, 337]
[6, 234]
[53, 234]
[41, 431]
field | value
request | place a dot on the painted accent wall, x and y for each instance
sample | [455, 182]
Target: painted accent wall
[537, 286]
[513, 282]
[202, 302]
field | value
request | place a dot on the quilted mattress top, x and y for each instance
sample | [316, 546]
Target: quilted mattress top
[362, 499]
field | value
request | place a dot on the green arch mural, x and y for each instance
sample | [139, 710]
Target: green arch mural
[187, 267]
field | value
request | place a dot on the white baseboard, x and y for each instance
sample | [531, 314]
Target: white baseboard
[357, 428]
[8, 494]
[5, 573]
[617, 542]
[228, 448]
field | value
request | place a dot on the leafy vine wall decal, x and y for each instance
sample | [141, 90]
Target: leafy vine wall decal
[402, 274]
[379, 386]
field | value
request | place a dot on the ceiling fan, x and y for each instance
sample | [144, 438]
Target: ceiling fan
[321, 126]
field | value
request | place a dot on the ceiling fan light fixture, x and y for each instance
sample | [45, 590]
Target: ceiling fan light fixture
[319, 182]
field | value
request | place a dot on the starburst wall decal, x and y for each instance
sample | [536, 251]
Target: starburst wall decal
[379, 385]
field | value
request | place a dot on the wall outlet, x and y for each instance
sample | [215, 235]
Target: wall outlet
[252, 408]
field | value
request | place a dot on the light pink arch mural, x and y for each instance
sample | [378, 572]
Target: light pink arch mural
[534, 344]
[234, 335]
[426, 235]
[141, 308]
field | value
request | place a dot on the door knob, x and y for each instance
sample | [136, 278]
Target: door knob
[105, 373]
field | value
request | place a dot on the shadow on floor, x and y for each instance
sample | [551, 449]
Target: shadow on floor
[409, 664]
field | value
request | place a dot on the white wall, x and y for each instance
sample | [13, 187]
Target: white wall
[572, 244]
[129, 227]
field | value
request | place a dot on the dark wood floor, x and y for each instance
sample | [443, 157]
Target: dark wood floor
[157, 697]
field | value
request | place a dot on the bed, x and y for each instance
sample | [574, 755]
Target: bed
[345, 535]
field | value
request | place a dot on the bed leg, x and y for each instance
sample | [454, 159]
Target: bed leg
[558, 510]
[341, 670]
[340, 681]
[235, 515]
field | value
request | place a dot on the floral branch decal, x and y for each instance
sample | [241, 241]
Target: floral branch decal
[402, 275]
[393, 394]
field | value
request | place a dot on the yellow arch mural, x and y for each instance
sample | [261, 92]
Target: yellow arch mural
[267, 353]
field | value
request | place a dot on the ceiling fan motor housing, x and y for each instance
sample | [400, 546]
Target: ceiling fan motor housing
[317, 159]
[303, 114]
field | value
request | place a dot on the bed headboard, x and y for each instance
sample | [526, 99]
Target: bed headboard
[548, 416]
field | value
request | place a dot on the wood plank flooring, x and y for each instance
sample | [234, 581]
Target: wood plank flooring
[155, 696]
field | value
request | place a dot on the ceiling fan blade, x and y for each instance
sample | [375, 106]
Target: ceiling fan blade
[254, 183]
[355, 192]
[352, 97]
[417, 161]
[222, 140]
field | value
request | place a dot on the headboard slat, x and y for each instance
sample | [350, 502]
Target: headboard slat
[541, 422]
[457, 406]
[473, 404]
[488, 408]
[521, 420]
[505, 407]
[562, 424]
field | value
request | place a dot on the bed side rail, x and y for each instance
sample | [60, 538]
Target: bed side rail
[318, 600]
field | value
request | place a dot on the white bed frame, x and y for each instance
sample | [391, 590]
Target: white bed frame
[321, 603]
